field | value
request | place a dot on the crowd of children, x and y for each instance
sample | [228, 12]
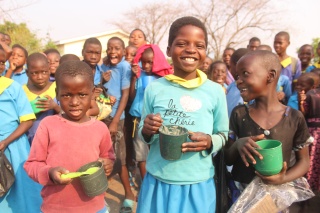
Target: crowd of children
[49, 127]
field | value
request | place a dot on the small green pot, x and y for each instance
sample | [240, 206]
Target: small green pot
[35, 109]
[96, 183]
[272, 161]
[171, 145]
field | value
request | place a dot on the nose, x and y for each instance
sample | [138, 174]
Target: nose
[74, 101]
[191, 48]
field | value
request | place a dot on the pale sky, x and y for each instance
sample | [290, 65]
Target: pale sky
[65, 19]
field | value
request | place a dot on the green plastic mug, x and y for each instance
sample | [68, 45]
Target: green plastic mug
[96, 183]
[272, 161]
[171, 144]
[35, 109]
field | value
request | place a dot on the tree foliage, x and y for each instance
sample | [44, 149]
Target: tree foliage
[315, 42]
[229, 22]
[21, 34]
[154, 19]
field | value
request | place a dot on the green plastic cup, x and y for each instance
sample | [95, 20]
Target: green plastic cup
[272, 161]
[171, 138]
[96, 183]
[35, 109]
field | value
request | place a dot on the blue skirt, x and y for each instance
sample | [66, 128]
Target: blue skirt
[159, 197]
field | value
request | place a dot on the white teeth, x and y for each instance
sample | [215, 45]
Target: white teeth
[189, 59]
[242, 90]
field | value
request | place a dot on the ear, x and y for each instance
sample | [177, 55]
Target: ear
[168, 51]
[271, 76]
[82, 51]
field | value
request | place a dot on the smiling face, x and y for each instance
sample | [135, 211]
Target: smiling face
[188, 50]
[137, 38]
[38, 74]
[304, 83]
[305, 55]
[53, 59]
[74, 94]
[115, 51]
[251, 78]
[280, 44]
[219, 73]
[92, 54]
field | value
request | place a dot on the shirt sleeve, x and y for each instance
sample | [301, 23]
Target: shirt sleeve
[301, 137]
[36, 166]
[126, 75]
[24, 108]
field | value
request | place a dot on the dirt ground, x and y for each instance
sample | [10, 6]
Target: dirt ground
[115, 192]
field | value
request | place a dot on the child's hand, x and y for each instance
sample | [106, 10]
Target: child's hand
[107, 165]
[97, 91]
[55, 175]
[200, 142]
[113, 128]
[247, 148]
[46, 104]
[275, 179]
[135, 68]
[151, 124]
[280, 95]
[302, 96]
[112, 100]
[3, 145]
[106, 75]
[12, 65]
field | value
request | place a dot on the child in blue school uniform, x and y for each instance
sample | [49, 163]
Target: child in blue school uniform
[117, 74]
[17, 61]
[182, 98]
[16, 118]
[154, 65]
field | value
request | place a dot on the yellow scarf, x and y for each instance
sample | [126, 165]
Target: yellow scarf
[198, 81]
[4, 83]
[51, 91]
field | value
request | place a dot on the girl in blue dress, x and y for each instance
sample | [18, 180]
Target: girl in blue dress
[16, 118]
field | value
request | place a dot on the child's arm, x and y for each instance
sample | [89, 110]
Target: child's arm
[11, 69]
[299, 169]
[301, 100]
[113, 127]
[94, 109]
[23, 127]
[134, 69]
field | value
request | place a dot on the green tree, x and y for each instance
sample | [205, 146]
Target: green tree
[315, 42]
[20, 34]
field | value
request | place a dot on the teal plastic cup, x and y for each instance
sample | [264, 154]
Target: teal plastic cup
[96, 183]
[171, 138]
[272, 161]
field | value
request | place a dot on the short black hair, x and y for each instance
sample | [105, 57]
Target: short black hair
[264, 47]
[212, 66]
[229, 48]
[36, 57]
[22, 48]
[184, 21]
[73, 69]
[92, 40]
[283, 33]
[306, 45]
[238, 54]
[137, 29]
[268, 60]
[253, 39]
[68, 57]
[51, 50]
[119, 39]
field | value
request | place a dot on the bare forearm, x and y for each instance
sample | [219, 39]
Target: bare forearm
[122, 104]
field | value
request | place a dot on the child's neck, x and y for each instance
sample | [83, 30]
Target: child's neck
[304, 66]
[36, 90]
[18, 69]
[282, 56]
[267, 103]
